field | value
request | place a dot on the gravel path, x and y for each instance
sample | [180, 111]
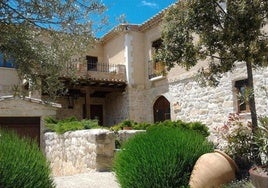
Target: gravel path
[87, 180]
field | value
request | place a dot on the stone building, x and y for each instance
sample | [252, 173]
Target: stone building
[120, 81]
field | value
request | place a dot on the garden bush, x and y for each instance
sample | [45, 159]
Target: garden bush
[69, 124]
[130, 123]
[22, 164]
[196, 126]
[235, 138]
[162, 157]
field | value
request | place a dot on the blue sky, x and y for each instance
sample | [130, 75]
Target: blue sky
[135, 11]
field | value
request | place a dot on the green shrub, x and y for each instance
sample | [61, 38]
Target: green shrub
[196, 126]
[125, 123]
[22, 164]
[235, 138]
[69, 124]
[260, 140]
[51, 120]
[162, 157]
[142, 126]
[116, 127]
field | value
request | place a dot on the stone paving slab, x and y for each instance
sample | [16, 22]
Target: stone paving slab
[87, 180]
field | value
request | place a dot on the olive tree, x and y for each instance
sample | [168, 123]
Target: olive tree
[220, 32]
[44, 37]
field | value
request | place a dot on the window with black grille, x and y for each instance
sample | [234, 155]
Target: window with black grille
[92, 63]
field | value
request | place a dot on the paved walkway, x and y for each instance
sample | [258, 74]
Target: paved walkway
[87, 180]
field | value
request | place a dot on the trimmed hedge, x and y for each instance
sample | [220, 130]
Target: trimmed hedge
[162, 157]
[22, 164]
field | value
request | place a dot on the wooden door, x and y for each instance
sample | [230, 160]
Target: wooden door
[24, 126]
[161, 109]
[96, 112]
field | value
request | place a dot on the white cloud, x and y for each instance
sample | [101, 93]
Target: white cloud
[149, 4]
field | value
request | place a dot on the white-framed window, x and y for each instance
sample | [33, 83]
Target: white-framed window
[242, 95]
[156, 68]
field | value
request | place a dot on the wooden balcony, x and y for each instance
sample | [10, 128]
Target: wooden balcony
[102, 72]
[96, 75]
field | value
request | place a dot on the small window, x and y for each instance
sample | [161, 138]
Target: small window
[156, 68]
[242, 98]
[6, 62]
[91, 63]
[157, 44]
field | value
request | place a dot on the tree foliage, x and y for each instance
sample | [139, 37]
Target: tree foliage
[43, 38]
[218, 32]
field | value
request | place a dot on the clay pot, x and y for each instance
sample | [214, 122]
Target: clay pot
[127, 128]
[259, 180]
[213, 170]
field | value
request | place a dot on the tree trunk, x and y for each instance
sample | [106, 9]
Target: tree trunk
[252, 105]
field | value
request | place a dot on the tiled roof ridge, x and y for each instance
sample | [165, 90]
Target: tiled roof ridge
[118, 29]
[155, 19]
[136, 27]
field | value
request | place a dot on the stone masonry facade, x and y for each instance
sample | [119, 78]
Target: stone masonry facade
[210, 105]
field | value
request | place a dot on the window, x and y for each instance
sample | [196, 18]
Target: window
[157, 44]
[5, 61]
[242, 93]
[157, 68]
[91, 63]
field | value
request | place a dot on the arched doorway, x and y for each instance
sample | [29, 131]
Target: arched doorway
[161, 109]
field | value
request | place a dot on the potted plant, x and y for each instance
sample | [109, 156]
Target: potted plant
[127, 124]
[259, 174]
[235, 139]
[238, 140]
[124, 125]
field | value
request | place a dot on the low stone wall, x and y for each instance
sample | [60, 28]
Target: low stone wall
[80, 151]
[124, 135]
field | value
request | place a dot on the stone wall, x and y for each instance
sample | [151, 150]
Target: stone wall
[124, 135]
[66, 112]
[80, 151]
[116, 108]
[191, 102]
[212, 105]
